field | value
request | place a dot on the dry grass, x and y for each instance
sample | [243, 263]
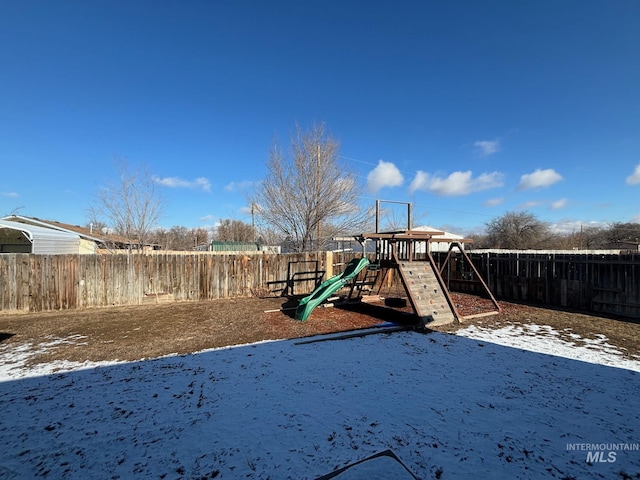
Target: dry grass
[133, 333]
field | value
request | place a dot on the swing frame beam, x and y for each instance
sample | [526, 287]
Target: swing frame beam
[415, 245]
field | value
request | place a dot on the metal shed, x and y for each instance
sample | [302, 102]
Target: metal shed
[18, 237]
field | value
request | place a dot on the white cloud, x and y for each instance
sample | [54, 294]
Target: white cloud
[539, 179]
[235, 186]
[386, 174]
[206, 218]
[419, 182]
[458, 183]
[203, 183]
[634, 178]
[10, 194]
[175, 182]
[636, 219]
[558, 204]
[487, 147]
[492, 202]
[567, 225]
[172, 182]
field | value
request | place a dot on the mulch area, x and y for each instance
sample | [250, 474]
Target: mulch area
[133, 333]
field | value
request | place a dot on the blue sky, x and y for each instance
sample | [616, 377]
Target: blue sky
[466, 109]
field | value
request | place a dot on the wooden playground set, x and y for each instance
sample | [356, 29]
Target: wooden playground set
[406, 255]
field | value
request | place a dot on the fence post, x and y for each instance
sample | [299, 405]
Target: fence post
[328, 262]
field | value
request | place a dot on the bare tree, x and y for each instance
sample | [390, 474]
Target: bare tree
[307, 191]
[131, 205]
[16, 211]
[235, 231]
[592, 237]
[393, 219]
[517, 230]
[268, 236]
[179, 238]
[588, 237]
[619, 233]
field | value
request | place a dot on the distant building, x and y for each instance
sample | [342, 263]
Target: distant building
[237, 247]
[623, 246]
[20, 234]
[28, 237]
[443, 241]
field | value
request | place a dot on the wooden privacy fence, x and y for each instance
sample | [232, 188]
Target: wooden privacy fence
[603, 283]
[56, 282]
[598, 283]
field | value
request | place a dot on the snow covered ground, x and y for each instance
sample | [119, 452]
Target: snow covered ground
[517, 402]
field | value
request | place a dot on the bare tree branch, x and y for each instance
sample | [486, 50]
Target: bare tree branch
[230, 230]
[517, 230]
[307, 191]
[131, 205]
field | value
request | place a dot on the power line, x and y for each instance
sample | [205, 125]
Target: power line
[358, 161]
[415, 204]
[431, 206]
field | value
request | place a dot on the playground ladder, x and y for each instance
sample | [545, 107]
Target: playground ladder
[368, 281]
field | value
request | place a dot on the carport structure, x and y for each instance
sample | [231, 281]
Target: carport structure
[16, 237]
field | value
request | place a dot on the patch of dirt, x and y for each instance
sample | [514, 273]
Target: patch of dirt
[134, 333]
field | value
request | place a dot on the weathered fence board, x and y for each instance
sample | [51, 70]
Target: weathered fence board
[57, 282]
[599, 283]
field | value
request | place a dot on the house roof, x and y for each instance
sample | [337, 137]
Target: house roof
[443, 237]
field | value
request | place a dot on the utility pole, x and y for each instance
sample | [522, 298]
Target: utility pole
[253, 222]
[318, 190]
[580, 236]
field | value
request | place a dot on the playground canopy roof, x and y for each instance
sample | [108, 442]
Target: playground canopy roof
[439, 240]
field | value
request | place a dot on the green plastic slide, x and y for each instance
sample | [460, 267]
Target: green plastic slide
[326, 288]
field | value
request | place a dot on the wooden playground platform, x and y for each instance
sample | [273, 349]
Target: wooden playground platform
[409, 254]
